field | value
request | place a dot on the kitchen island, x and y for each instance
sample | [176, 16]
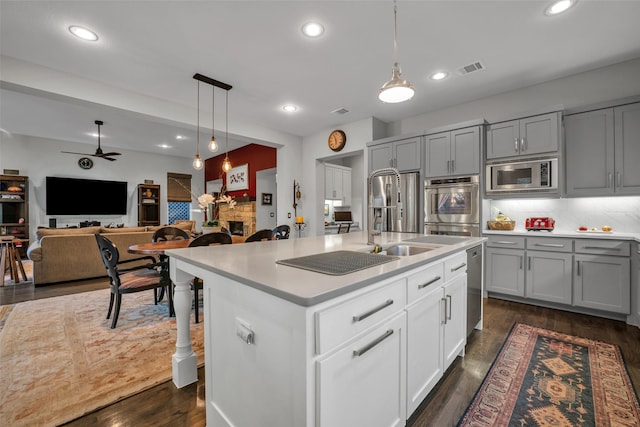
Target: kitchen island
[291, 347]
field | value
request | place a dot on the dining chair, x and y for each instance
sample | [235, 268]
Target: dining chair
[224, 230]
[162, 234]
[259, 235]
[281, 232]
[126, 281]
[216, 238]
[344, 228]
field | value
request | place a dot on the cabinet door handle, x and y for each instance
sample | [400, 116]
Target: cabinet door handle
[444, 302]
[434, 280]
[529, 262]
[549, 245]
[464, 264]
[521, 262]
[577, 267]
[515, 145]
[448, 166]
[373, 311]
[610, 180]
[363, 350]
[619, 180]
[505, 242]
[523, 145]
[449, 311]
[601, 249]
[453, 166]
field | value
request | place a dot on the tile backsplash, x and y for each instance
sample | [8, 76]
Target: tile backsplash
[621, 213]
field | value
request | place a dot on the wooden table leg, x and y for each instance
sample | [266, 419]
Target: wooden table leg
[3, 262]
[17, 265]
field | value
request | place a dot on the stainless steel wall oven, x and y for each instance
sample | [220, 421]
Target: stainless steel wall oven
[452, 206]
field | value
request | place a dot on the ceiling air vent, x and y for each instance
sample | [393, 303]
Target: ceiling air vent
[470, 68]
[341, 110]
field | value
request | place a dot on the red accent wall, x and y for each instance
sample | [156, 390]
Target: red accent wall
[257, 156]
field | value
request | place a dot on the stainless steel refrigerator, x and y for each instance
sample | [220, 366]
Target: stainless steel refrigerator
[383, 192]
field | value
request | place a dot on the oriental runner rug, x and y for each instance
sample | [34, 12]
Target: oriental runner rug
[547, 378]
[59, 358]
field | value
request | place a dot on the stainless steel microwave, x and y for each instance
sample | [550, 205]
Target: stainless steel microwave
[534, 175]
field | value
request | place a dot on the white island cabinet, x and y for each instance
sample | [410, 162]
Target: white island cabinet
[292, 347]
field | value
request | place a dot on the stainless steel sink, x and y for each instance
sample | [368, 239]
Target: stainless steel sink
[406, 250]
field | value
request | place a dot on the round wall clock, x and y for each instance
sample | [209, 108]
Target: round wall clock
[337, 140]
[85, 163]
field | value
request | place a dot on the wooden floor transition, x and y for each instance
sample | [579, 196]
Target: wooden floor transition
[165, 405]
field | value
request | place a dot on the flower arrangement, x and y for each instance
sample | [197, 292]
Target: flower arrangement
[210, 208]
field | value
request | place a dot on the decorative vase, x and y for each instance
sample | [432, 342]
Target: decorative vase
[206, 230]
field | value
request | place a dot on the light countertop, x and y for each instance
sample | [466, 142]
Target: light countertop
[254, 264]
[615, 235]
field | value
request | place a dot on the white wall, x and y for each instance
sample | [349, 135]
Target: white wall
[266, 183]
[38, 158]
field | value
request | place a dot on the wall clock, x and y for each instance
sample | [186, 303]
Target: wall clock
[337, 140]
[85, 163]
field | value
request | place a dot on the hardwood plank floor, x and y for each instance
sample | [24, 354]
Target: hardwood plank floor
[165, 405]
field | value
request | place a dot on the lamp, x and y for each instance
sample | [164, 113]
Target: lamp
[197, 161]
[213, 144]
[397, 89]
[226, 163]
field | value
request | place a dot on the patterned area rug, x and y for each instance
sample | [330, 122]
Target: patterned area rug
[59, 359]
[546, 378]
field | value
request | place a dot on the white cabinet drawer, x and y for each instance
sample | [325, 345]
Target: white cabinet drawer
[419, 284]
[338, 323]
[603, 247]
[455, 265]
[553, 244]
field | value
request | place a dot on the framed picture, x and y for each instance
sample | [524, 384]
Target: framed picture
[238, 178]
[266, 198]
[326, 209]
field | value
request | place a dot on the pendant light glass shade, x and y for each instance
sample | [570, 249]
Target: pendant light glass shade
[213, 144]
[197, 161]
[397, 89]
[226, 163]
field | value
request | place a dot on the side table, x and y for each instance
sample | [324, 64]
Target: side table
[10, 259]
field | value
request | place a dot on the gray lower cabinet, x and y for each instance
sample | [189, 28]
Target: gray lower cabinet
[454, 152]
[608, 140]
[527, 136]
[403, 155]
[548, 276]
[588, 273]
[602, 275]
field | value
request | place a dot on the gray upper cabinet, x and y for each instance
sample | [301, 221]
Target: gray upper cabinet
[524, 137]
[455, 152]
[603, 151]
[403, 155]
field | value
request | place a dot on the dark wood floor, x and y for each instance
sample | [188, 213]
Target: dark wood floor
[164, 405]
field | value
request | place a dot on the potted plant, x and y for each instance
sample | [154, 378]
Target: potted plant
[211, 210]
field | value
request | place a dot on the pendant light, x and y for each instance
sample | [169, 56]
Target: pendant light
[213, 144]
[397, 89]
[226, 163]
[197, 161]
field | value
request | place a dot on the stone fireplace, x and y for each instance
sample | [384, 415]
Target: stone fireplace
[241, 220]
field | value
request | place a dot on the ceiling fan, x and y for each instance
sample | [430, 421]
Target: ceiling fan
[98, 153]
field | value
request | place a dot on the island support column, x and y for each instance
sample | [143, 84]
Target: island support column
[184, 361]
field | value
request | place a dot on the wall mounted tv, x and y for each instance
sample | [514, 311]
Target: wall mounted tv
[72, 196]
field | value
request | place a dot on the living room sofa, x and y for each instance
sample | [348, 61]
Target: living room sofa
[66, 254]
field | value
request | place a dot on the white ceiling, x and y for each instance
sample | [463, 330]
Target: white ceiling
[153, 48]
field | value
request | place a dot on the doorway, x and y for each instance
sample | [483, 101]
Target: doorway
[266, 199]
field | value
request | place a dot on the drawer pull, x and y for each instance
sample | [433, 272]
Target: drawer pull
[464, 264]
[434, 280]
[363, 350]
[505, 242]
[598, 248]
[373, 311]
[549, 245]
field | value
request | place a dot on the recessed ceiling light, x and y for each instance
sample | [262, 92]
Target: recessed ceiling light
[559, 7]
[312, 29]
[439, 75]
[164, 146]
[93, 134]
[180, 137]
[290, 108]
[83, 33]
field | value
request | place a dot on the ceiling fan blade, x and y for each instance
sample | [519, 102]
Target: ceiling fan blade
[82, 154]
[110, 154]
[107, 158]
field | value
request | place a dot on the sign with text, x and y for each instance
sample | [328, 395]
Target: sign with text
[238, 178]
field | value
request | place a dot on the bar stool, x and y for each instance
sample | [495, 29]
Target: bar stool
[10, 259]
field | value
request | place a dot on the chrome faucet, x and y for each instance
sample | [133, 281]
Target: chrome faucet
[376, 221]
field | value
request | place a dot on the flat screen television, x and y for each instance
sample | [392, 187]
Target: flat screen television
[73, 196]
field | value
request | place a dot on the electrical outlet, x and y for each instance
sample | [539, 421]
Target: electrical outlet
[289, 215]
